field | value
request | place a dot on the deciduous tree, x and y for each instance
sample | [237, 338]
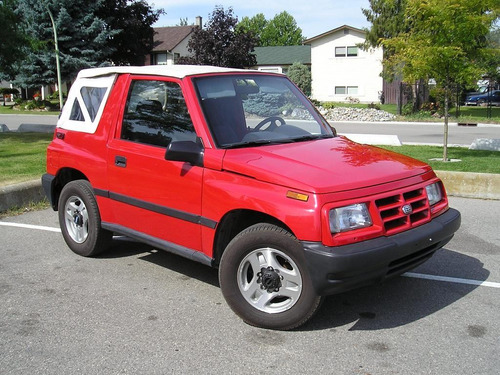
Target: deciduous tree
[282, 30]
[445, 41]
[220, 44]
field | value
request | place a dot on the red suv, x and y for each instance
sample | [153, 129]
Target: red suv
[236, 169]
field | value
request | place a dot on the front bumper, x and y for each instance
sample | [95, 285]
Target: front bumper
[337, 269]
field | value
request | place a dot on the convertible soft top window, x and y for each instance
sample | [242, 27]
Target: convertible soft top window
[258, 109]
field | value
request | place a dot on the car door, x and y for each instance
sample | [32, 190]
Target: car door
[153, 198]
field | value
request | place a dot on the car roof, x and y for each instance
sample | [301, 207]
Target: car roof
[177, 71]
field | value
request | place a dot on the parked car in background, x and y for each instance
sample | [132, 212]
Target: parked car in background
[483, 99]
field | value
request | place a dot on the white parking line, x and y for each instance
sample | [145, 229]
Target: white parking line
[452, 280]
[407, 274]
[28, 226]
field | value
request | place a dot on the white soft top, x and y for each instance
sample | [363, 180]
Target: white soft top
[176, 71]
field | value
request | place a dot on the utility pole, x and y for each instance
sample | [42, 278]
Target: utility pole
[58, 66]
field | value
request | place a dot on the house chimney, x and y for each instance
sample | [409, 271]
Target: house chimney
[199, 22]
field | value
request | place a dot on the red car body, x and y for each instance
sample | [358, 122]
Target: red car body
[197, 209]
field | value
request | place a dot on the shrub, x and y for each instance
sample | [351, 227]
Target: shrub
[374, 106]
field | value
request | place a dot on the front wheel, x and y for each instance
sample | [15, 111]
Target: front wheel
[263, 278]
[80, 220]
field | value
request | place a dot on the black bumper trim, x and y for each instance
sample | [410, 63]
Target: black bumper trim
[337, 269]
[48, 184]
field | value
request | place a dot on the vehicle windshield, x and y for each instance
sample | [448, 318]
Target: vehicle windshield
[250, 109]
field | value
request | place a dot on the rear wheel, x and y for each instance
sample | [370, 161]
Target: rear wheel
[263, 278]
[80, 220]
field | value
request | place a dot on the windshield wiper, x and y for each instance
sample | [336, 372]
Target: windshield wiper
[260, 142]
[311, 137]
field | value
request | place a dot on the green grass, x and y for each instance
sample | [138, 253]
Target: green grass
[22, 156]
[471, 160]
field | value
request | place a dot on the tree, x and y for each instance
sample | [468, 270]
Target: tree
[446, 41]
[131, 22]
[301, 76]
[253, 25]
[387, 18]
[282, 30]
[219, 44]
[82, 37]
[13, 41]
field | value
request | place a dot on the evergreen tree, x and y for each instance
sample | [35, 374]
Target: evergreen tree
[301, 76]
[219, 44]
[82, 37]
[131, 22]
[13, 40]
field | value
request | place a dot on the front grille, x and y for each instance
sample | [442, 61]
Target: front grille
[391, 212]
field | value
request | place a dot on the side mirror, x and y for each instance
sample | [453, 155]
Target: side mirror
[186, 151]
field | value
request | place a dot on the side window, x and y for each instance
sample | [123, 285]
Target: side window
[92, 98]
[156, 114]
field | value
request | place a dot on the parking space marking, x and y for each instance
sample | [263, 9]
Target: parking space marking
[452, 279]
[407, 274]
[29, 226]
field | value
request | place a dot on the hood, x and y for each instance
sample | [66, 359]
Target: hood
[322, 166]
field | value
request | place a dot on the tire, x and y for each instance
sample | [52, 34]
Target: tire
[80, 220]
[264, 280]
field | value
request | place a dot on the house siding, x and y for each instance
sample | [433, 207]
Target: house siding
[359, 75]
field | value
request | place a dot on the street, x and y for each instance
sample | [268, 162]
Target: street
[140, 311]
[430, 133]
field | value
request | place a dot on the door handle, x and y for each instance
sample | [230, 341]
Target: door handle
[121, 161]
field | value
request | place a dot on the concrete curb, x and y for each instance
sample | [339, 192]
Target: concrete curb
[458, 184]
[471, 185]
[21, 194]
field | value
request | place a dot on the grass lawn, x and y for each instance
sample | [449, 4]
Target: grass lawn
[22, 156]
[472, 160]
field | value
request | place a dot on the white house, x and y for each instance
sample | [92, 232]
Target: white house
[341, 70]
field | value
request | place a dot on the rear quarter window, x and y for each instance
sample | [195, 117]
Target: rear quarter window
[83, 108]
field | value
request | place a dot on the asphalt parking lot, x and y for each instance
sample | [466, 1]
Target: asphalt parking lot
[135, 310]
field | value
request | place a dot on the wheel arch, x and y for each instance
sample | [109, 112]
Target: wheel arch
[236, 221]
[63, 177]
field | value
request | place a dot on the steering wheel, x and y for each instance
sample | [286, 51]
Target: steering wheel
[273, 123]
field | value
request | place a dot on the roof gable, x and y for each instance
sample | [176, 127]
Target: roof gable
[167, 38]
[333, 31]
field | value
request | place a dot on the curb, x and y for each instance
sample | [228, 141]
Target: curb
[21, 194]
[458, 184]
[471, 185]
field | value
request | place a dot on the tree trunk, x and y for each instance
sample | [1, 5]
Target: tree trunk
[446, 115]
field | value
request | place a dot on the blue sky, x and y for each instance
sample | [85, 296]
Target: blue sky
[314, 17]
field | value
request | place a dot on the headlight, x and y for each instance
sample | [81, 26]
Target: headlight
[351, 217]
[434, 193]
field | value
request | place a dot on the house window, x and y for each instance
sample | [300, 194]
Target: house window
[349, 51]
[340, 90]
[340, 51]
[161, 59]
[343, 90]
[352, 51]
